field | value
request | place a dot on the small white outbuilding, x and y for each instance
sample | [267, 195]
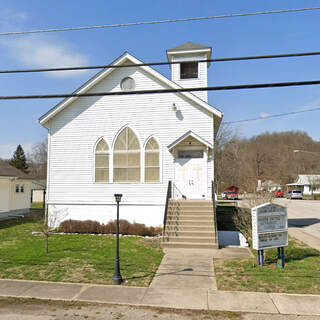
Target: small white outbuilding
[15, 190]
[133, 144]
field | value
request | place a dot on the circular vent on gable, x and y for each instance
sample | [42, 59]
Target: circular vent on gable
[127, 84]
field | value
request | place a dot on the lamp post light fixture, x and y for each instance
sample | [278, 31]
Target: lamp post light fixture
[117, 279]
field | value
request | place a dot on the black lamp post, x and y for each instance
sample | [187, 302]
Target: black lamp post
[117, 279]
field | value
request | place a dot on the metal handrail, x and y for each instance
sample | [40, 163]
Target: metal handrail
[175, 188]
[169, 196]
[214, 211]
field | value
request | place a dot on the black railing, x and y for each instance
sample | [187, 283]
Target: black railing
[214, 211]
[169, 196]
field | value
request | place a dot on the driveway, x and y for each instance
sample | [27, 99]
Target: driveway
[304, 220]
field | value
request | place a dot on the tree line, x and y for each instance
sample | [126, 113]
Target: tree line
[268, 156]
[34, 163]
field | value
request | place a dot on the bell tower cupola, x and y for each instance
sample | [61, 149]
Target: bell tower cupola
[189, 72]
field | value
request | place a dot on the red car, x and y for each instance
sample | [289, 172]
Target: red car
[232, 195]
[278, 194]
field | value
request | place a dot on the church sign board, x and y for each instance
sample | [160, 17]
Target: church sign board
[269, 226]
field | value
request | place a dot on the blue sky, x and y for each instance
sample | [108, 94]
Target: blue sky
[243, 36]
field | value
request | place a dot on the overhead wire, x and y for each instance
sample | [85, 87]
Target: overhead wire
[139, 23]
[272, 116]
[154, 91]
[109, 66]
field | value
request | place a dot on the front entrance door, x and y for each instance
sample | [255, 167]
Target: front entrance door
[190, 175]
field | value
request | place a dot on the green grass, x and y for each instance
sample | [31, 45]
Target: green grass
[73, 258]
[300, 275]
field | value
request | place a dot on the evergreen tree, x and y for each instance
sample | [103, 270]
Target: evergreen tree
[19, 160]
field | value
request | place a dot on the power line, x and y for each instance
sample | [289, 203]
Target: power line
[272, 116]
[131, 24]
[108, 66]
[122, 93]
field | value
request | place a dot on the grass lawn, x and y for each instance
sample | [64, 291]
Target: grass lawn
[300, 275]
[73, 258]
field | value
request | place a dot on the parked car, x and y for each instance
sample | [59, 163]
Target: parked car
[232, 195]
[223, 195]
[295, 194]
[278, 194]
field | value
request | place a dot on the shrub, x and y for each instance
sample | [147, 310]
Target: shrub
[243, 223]
[125, 227]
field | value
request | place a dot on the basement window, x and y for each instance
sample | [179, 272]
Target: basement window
[188, 70]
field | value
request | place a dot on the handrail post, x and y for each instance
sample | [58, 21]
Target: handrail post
[214, 212]
[169, 196]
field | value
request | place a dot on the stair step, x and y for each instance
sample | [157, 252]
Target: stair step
[189, 245]
[191, 208]
[189, 239]
[190, 213]
[185, 228]
[189, 218]
[194, 203]
[199, 234]
[190, 222]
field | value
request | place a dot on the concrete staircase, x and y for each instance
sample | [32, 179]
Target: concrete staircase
[190, 224]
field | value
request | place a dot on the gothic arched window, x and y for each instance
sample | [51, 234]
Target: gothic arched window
[152, 161]
[102, 162]
[126, 157]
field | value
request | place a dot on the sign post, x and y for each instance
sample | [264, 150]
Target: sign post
[269, 230]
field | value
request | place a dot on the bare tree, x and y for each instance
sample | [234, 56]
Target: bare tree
[38, 160]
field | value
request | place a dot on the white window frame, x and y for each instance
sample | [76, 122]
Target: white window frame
[94, 160]
[160, 160]
[126, 151]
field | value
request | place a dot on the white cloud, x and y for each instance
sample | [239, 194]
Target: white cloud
[7, 150]
[12, 19]
[264, 115]
[39, 51]
[45, 52]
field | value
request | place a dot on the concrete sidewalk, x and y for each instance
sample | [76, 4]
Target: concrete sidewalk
[186, 268]
[183, 298]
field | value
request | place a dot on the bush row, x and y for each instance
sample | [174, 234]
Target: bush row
[125, 228]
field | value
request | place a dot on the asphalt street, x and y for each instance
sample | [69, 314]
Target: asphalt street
[303, 215]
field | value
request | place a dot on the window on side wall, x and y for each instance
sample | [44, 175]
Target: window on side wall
[126, 157]
[22, 188]
[102, 162]
[188, 70]
[17, 188]
[152, 161]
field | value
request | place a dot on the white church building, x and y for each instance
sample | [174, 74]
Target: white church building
[133, 144]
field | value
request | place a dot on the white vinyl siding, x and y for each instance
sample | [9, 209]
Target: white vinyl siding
[75, 130]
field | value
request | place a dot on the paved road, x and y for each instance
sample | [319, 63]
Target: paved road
[57, 310]
[304, 220]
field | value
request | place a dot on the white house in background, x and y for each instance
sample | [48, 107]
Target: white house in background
[132, 144]
[15, 190]
[268, 186]
[307, 182]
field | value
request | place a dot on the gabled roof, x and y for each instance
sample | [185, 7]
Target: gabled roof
[125, 58]
[188, 46]
[305, 179]
[6, 170]
[185, 136]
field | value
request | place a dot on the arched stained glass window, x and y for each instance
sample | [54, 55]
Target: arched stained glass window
[152, 161]
[102, 162]
[126, 157]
